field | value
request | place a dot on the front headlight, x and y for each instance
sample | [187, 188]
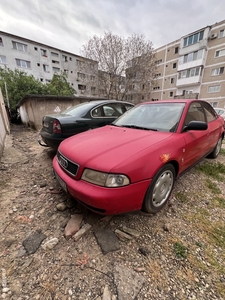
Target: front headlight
[105, 179]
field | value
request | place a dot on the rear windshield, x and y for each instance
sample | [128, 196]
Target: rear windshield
[78, 110]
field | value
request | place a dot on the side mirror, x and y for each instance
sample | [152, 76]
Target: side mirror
[196, 125]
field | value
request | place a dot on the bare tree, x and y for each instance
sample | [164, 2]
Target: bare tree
[125, 66]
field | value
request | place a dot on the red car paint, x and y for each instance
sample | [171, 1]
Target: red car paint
[139, 154]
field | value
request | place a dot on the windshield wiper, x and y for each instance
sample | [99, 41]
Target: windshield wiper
[139, 127]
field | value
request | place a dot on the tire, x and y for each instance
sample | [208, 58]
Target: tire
[216, 150]
[160, 189]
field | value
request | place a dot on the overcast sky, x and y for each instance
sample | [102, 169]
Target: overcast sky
[69, 24]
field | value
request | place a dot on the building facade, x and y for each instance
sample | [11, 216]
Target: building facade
[193, 67]
[190, 67]
[42, 61]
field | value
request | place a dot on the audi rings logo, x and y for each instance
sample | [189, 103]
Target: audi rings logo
[63, 162]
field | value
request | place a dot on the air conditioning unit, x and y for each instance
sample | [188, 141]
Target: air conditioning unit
[213, 36]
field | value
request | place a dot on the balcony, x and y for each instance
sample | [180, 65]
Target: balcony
[193, 80]
[187, 96]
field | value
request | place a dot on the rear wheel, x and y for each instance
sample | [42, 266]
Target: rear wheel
[216, 150]
[160, 189]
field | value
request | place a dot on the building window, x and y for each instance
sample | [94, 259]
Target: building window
[189, 73]
[38, 64]
[157, 75]
[220, 53]
[56, 70]
[93, 89]
[35, 48]
[222, 33]
[171, 80]
[44, 52]
[1, 42]
[214, 89]
[176, 50]
[217, 71]
[191, 57]
[2, 59]
[171, 94]
[80, 75]
[156, 88]
[193, 39]
[55, 61]
[92, 78]
[64, 58]
[23, 63]
[174, 65]
[80, 63]
[41, 79]
[54, 54]
[19, 46]
[158, 61]
[46, 68]
[82, 88]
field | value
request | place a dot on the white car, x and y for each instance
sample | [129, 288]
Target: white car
[220, 111]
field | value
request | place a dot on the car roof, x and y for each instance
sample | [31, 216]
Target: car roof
[96, 102]
[174, 101]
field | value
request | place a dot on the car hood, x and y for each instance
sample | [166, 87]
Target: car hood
[106, 147]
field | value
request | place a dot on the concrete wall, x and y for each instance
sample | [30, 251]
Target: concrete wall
[32, 108]
[4, 124]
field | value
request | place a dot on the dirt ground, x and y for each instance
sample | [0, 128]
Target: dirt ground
[178, 253]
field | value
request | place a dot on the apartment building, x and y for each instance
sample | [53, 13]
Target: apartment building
[190, 67]
[42, 61]
[193, 67]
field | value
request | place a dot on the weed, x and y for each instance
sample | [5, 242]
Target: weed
[218, 234]
[182, 197]
[221, 202]
[222, 151]
[212, 186]
[212, 169]
[180, 250]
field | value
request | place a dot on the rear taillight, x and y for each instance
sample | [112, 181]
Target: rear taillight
[56, 126]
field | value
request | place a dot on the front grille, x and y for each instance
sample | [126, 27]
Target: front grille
[67, 165]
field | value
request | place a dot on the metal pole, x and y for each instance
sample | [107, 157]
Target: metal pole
[7, 98]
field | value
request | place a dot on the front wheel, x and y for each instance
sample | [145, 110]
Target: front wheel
[160, 189]
[216, 150]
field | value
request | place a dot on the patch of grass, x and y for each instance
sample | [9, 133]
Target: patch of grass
[182, 197]
[212, 186]
[222, 151]
[180, 250]
[221, 202]
[218, 234]
[212, 169]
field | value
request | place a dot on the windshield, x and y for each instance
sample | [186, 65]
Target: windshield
[153, 116]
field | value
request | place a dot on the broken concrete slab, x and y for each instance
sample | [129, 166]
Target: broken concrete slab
[107, 240]
[128, 282]
[73, 225]
[122, 235]
[82, 231]
[33, 242]
[131, 231]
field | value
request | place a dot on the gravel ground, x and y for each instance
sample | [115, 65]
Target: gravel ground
[178, 253]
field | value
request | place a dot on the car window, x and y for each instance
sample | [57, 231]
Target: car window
[113, 110]
[195, 113]
[210, 112]
[97, 112]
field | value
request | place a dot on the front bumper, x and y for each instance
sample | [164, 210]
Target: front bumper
[103, 200]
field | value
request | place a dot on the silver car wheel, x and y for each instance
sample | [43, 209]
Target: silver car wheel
[218, 147]
[162, 188]
[159, 189]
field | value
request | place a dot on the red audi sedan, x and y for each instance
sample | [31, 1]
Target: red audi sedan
[133, 163]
